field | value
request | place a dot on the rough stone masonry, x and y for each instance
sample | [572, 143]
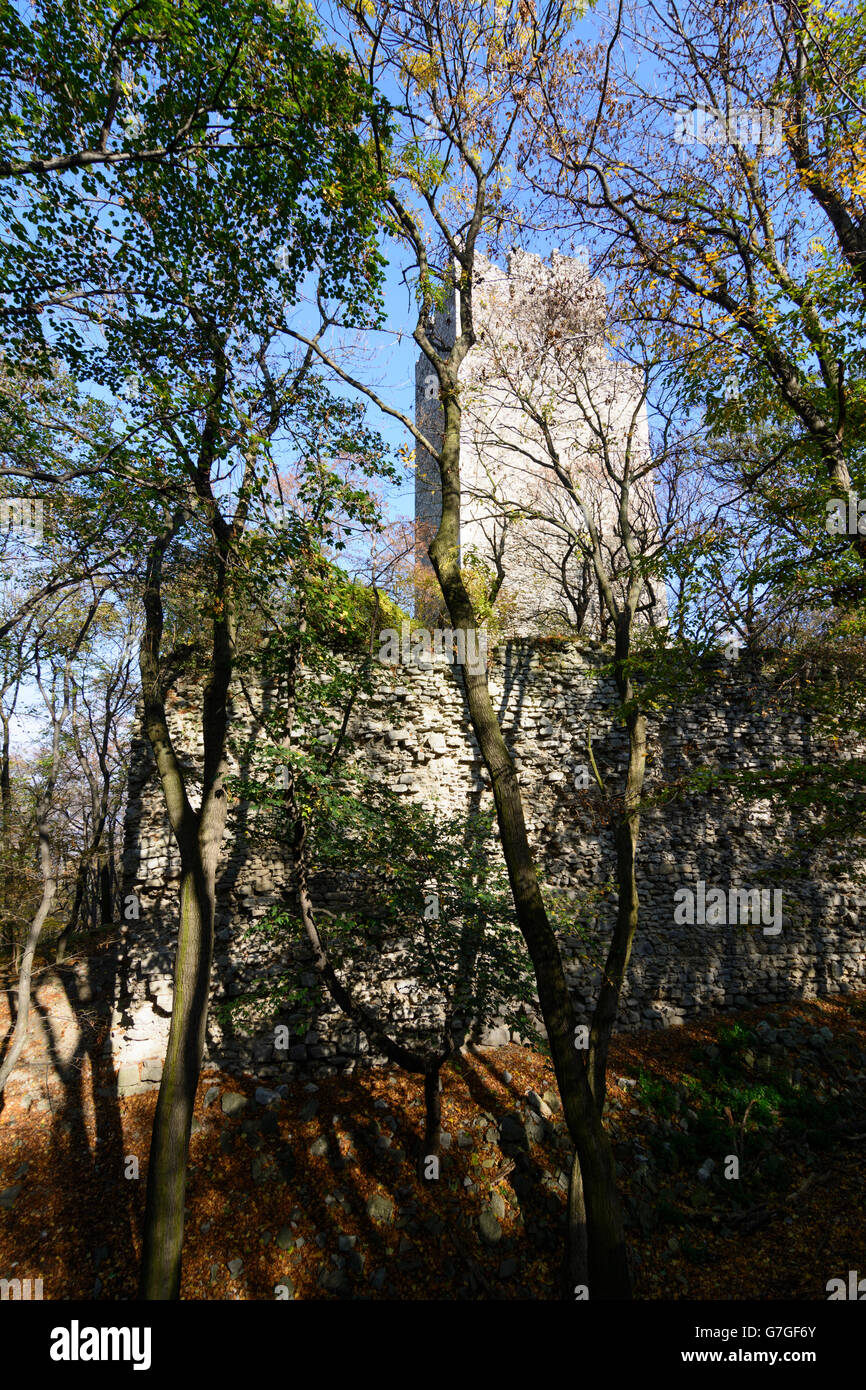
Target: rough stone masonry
[414, 730]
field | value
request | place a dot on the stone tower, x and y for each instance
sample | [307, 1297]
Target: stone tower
[544, 405]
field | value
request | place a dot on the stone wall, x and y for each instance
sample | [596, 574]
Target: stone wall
[414, 731]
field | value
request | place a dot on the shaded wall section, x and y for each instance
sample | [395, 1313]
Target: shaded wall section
[414, 733]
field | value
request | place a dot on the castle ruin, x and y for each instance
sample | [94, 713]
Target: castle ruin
[549, 419]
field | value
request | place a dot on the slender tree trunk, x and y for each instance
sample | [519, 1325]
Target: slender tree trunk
[112, 907]
[22, 1020]
[166, 1176]
[106, 890]
[5, 780]
[578, 1251]
[619, 952]
[432, 1123]
[6, 816]
[199, 837]
[95, 854]
[608, 1265]
[62, 942]
[46, 864]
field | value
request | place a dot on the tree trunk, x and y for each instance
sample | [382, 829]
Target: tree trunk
[22, 1021]
[619, 952]
[62, 942]
[432, 1124]
[578, 1253]
[106, 891]
[166, 1176]
[6, 843]
[5, 780]
[96, 854]
[608, 1265]
[47, 868]
[199, 837]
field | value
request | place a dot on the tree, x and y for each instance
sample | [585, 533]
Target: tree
[102, 703]
[423, 885]
[464, 73]
[57, 650]
[66, 478]
[14, 657]
[568, 419]
[717, 213]
[176, 288]
[95, 94]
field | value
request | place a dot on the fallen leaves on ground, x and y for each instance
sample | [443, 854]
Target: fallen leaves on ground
[299, 1220]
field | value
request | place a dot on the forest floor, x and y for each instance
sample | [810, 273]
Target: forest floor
[314, 1193]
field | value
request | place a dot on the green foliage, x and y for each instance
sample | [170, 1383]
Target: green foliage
[346, 613]
[427, 884]
[734, 1036]
[731, 1109]
[575, 919]
[255, 171]
[490, 604]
